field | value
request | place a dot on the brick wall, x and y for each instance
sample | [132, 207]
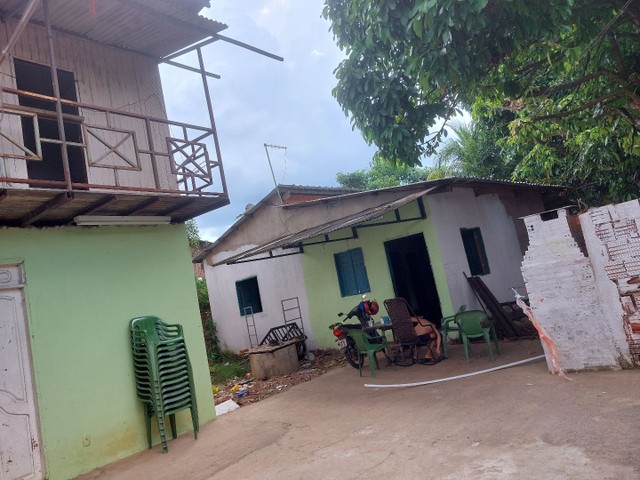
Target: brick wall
[612, 235]
[564, 294]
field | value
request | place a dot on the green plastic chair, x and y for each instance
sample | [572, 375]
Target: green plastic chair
[476, 324]
[164, 379]
[448, 325]
[364, 346]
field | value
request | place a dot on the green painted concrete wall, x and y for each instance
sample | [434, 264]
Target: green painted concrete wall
[321, 279]
[83, 286]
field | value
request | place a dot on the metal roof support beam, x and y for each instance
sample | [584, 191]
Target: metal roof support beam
[271, 255]
[390, 222]
[192, 69]
[201, 44]
[216, 142]
[22, 23]
[56, 94]
[423, 211]
[249, 47]
[217, 37]
[354, 235]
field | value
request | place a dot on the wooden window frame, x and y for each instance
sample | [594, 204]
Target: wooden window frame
[476, 253]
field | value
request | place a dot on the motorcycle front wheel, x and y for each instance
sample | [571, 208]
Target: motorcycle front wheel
[351, 353]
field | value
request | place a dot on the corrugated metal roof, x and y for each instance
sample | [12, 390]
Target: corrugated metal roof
[284, 189]
[297, 239]
[443, 183]
[151, 27]
[433, 186]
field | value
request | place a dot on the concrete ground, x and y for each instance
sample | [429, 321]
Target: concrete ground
[519, 423]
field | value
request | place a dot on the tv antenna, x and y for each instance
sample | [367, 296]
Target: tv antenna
[267, 146]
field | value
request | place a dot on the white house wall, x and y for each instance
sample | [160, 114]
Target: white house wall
[105, 77]
[461, 208]
[278, 279]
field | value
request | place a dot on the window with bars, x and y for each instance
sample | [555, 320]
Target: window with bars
[474, 248]
[352, 273]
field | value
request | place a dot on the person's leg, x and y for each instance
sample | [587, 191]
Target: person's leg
[425, 340]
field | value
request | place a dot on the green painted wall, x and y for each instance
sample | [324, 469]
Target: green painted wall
[321, 279]
[84, 284]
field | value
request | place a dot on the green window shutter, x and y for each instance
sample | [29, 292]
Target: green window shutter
[352, 273]
[359, 271]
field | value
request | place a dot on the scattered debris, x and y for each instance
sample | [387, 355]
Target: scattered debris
[226, 407]
[249, 390]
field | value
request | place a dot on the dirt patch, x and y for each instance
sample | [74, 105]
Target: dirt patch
[248, 390]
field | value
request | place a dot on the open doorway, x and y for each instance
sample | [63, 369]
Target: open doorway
[36, 78]
[412, 275]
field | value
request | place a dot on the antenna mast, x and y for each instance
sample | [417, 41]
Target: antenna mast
[267, 146]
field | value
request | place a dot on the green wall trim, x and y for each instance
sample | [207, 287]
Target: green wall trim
[321, 279]
[83, 285]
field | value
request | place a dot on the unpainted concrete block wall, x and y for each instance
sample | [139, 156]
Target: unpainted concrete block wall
[612, 235]
[564, 296]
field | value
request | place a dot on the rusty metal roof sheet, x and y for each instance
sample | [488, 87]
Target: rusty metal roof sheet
[297, 239]
[151, 27]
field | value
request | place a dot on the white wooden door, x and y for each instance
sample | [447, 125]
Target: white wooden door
[19, 440]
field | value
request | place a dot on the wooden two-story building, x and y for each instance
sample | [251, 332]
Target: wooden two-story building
[95, 186]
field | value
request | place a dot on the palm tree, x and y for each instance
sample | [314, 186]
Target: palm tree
[473, 152]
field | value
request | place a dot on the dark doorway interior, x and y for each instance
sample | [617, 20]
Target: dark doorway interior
[37, 78]
[412, 275]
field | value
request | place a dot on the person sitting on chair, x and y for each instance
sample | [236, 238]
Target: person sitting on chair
[428, 334]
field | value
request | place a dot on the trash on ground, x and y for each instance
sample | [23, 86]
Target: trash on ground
[226, 407]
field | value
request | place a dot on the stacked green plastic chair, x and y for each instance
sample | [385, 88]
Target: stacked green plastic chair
[164, 379]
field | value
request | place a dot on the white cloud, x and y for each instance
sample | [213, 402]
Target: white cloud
[260, 100]
[211, 234]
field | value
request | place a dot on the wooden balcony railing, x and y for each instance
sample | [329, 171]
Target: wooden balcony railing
[119, 151]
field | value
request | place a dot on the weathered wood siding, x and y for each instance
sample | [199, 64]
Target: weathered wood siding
[105, 77]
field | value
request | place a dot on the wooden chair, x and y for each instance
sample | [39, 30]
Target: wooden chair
[404, 333]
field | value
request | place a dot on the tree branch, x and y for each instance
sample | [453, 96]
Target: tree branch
[604, 99]
[578, 82]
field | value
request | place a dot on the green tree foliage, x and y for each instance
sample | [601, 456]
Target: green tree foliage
[473, 151]
[193, 233]
[567, 71]
[382, 174]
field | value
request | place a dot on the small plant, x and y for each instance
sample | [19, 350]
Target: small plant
[209, 328]
[228, 366]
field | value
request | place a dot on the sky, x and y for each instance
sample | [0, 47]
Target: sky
[259, 100]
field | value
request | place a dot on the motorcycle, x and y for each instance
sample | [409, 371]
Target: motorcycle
[364, 312]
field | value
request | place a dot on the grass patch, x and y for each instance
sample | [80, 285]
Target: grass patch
[227, 366]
